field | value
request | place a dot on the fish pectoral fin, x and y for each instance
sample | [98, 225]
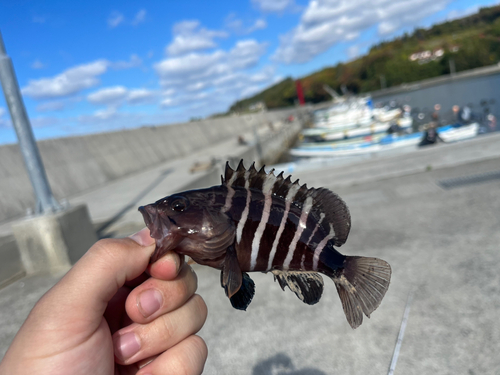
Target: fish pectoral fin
[242, 298]
[307, 286]
[231, 275]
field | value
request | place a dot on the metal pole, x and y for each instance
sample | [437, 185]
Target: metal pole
[45, 200]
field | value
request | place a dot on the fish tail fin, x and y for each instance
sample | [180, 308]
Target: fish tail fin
[361, 285]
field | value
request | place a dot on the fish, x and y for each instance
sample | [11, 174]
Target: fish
[261, 222]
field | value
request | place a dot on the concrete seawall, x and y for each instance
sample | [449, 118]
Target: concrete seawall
[81, 163]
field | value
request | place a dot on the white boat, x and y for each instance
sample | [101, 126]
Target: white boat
[345, 114]
[459, 133]
[375, 128]
[371, 138]
[385, 114]
[450, 133]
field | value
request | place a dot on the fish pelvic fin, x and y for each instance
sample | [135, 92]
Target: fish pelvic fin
[242, 298]
[361, 285]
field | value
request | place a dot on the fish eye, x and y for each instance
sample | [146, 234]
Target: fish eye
[179, 204]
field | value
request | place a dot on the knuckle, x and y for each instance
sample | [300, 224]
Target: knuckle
[106, 247]
[167, 327]
[200, 306]
[196, 353]
[200, 347]
[181, 289]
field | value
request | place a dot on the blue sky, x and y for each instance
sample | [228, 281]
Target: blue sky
[93, 66]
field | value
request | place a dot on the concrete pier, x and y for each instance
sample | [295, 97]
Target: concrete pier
[441, 242]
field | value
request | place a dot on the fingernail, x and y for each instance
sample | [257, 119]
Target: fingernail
[143, 238]
[149, 302]
[127, 345]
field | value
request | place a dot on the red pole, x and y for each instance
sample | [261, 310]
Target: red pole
[300, 92]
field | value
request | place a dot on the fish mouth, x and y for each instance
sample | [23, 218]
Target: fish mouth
[156, 226]
[162, 228]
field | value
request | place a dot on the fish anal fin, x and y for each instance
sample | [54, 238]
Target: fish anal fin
[242, 298]
[361, 285]
[231, 276]
[307, 286]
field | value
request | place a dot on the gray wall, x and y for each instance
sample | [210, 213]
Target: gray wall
[77, 164]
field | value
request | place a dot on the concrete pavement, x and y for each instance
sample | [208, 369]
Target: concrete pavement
[442, 244]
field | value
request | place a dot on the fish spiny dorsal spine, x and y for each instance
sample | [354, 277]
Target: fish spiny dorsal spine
[281, 224]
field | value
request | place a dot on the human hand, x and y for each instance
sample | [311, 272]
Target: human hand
[107, 316]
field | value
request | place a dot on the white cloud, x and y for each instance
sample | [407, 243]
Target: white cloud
[68, 82]
[169, 92]
[267, 74]
[139, 17]
[134, 62]
[191, 65]
[459, 13]
[327, 22]
[115, 19]
[273, 5]
[57, 105]
[246, 53]
[4, 122]
[190, 37]
[105, 114]
[250, 90]
[37, 64]
[116, 96]
[44, 121]
[353, 52]
[237, 25]
[140, 96]
[203, 70]
[108, 95]
[167, 102]
[259, 24]
[233, 23]
[205, 83]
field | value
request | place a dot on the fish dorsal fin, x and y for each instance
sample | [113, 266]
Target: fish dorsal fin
[251, 178]
[337, 218]
[307, 286]
[323, 204]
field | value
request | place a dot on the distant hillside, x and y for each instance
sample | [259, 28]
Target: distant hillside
[461, 44]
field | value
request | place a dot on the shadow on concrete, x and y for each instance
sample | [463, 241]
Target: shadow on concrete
[101, 230]
[281, 364]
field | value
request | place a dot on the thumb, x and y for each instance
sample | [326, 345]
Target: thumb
[88, 287]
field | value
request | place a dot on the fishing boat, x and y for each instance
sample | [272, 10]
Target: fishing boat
[457, 133]
[449, 133]
[343, 142]
[324, 135]
[345, 113]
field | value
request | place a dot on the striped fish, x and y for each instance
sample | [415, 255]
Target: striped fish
[259, 222]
